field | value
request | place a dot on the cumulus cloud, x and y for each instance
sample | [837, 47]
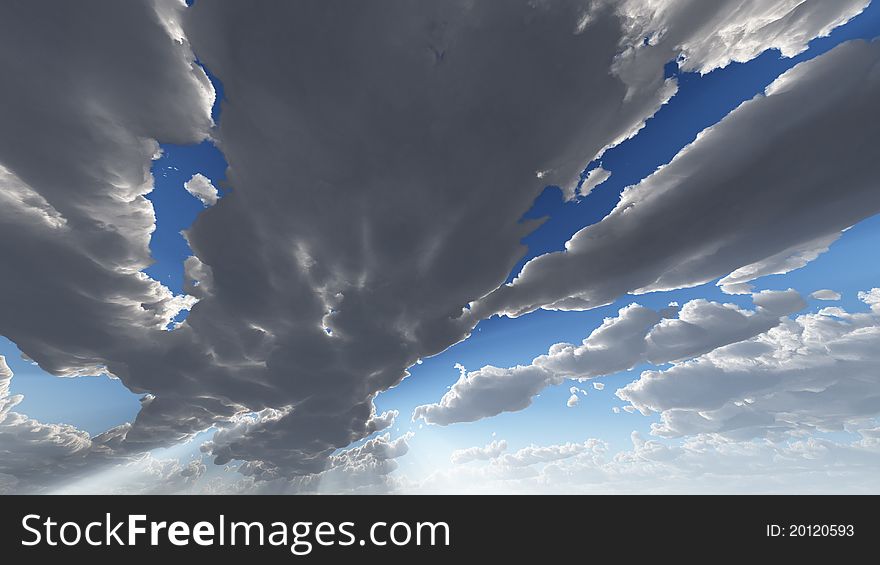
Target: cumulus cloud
[365, 468]
[723, 208]
[201, 187]
[489, 451]
[636, 335]
[574, 399]
[826, 294]
[345, 251]
[814, 373]
[871, 298]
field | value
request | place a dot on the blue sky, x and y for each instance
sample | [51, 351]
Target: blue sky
[97, 403]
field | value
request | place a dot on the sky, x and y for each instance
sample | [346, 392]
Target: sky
[567, 247]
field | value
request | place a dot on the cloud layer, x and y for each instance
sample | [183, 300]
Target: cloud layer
[380, 159]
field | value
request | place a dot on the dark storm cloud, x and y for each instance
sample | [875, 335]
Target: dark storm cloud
[88, 87]
[380, 157]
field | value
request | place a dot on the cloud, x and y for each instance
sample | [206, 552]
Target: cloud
[636, 335]
[362, 174]
[200, 186]
[533, 454]
[574, 399]
[707, 463]
[783, 262]
[366, 201]
[489, 451]
[383, 254]
[599, 386]
[32, 450]
[871, 298]
[596, 177]
[826, 294]
[705, 37]
[97, 85]
[363, 469]
[816, 373]
[39, 455]
[723, 207]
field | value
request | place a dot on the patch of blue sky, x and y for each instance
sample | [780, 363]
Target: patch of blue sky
[175, 208]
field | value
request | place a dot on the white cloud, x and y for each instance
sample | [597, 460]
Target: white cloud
[705, 36]
[826, 294]
[489, 451]
[100, 85]
[704, 464]
[636, 335]
[872, 299]
[200, 186]
[595, 177]
[533, 454]
[814, 373]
